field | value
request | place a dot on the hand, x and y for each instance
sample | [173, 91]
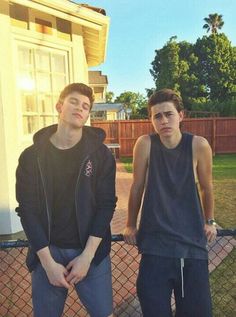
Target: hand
[78, 268]
[130, 234]
[56, 274]
[210, 232]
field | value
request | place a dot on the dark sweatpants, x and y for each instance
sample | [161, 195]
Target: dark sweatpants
[158, 276]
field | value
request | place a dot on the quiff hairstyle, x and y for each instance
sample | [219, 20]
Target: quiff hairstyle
[81, 89]
[163, 95]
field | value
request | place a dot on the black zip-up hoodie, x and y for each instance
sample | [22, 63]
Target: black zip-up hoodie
[95, 198]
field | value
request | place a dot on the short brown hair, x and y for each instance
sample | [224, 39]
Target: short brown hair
[81, 89]
[163, 95]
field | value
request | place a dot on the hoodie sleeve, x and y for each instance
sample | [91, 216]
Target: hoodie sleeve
[27, 196]
[105, 194]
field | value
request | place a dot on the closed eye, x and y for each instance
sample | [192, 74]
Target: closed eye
[86, 106]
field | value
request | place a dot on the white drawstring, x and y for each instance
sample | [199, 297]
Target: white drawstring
[182, 275]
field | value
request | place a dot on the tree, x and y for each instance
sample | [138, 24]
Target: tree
[216, 66]
[131, 100]
[165, 67]
[109, 96]
[213, 23]
[174, 67]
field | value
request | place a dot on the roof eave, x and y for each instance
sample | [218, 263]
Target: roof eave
[95, 25]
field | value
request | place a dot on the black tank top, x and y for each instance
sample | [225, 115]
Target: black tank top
[172, 220]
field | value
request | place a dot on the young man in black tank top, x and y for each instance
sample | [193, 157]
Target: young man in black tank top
[65, 186]
[175, 225]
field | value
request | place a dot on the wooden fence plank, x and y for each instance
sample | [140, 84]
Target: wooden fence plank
[220, 132]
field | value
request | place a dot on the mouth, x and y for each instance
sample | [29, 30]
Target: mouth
[77, 115]
[166, 129]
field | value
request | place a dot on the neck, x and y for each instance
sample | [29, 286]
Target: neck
[65, 138]
[172, 141]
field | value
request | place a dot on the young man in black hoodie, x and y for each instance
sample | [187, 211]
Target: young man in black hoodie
[65, 187]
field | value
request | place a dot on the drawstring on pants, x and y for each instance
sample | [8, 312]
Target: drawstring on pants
[182, 275]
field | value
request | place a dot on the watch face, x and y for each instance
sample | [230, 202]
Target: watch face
[211, 222]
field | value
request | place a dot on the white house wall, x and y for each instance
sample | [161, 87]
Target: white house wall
[12, 139]
[9, 128]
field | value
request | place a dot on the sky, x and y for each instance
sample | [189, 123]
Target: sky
[139, 27]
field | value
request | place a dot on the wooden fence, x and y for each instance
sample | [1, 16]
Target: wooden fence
[220, 132]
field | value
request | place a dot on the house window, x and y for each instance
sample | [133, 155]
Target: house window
[19, 15]
[43, 26]
[42, 74]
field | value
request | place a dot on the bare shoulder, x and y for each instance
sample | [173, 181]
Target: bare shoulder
[142, 145]
[200, 146]
[141, 159]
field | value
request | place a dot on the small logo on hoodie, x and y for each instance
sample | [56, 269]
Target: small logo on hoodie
[88, 169]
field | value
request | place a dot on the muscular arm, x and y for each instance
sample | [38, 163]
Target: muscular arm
[203, 155]
[140, 166]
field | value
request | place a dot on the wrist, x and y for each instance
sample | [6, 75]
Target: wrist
[210, 222]
[88, 254]
[45, 257]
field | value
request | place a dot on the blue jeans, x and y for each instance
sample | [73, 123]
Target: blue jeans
[159, 276]
[94, 291]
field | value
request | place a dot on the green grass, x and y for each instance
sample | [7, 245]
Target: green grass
[127, 161]
[222, 281]
[224, 180]
[224, 166]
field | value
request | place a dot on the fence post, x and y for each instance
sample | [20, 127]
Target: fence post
[213, 136]
[119, 139]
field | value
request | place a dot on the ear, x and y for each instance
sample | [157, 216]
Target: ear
[58, 107]
[181, 115]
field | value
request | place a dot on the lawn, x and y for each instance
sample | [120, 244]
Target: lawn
[224, 177]
[224, 180]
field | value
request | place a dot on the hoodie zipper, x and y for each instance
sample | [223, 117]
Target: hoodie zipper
[46, 200]
[76, 190]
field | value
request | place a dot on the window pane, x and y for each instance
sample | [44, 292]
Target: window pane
[30, 124]
[28, 102]
[59, 82]
[42, 60]
[46, 121]
[25, 57]
[58, 63]
[42, 74]
[26, 81]
[45, 103]
[43, 82]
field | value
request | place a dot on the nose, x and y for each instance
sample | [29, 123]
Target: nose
[164, 119]
[78, 106]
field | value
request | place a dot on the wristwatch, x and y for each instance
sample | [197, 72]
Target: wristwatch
[211, 222]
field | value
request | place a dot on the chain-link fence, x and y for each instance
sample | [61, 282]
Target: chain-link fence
[15, 288]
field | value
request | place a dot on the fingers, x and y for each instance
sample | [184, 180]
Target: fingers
[74, 278]
[211, 237]
[129, 235]
[211, 233]
[130, 239]
[65, 284]
[69, 265]
[61, 282]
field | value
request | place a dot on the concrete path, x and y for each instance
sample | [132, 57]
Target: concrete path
[123, 183]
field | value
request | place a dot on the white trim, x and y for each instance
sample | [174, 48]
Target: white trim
[66, 53]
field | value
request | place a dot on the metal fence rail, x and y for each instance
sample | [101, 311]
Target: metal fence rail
[15, 288]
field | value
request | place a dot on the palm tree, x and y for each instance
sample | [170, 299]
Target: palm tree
[213, 22]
